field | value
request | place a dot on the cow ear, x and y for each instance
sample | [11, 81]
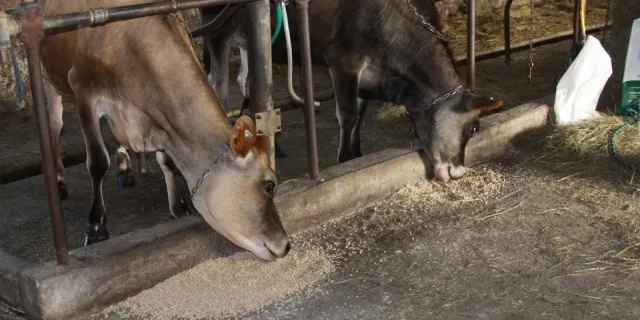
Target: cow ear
[243, 136]
[261, 144]
[482, 104]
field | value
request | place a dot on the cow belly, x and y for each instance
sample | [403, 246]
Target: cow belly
[130, 126]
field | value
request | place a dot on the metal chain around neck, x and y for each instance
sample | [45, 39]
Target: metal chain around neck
[424, 22]
[208, 171]
[442, 98]
[446, 95]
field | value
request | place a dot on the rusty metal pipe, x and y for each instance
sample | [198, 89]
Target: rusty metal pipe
[507, 32]
[307, 87]
[31, 36]
[576, 20]
[524, 45]
[471, 43]
[260, 68]
[98, 16]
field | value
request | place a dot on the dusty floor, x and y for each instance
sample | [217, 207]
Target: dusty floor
[537, 236]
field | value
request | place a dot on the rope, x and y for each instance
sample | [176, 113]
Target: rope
[634, 119]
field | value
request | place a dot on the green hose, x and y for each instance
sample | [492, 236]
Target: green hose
[276, 32]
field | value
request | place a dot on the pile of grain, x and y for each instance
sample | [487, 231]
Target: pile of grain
[226, 287]
[476, 186]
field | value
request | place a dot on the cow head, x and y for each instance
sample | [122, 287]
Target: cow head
[445, 128]
[238, 200]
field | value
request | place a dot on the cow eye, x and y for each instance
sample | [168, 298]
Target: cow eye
[474, 129]
[269, 187]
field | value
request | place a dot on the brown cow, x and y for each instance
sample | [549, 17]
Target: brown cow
[144, 77]
[389, 50]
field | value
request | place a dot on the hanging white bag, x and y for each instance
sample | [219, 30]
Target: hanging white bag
[579, 89]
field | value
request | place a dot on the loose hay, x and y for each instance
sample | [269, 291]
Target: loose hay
[591, 138]
[391, 114]
[226, 287]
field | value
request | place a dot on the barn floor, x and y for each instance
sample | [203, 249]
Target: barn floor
[537, 236]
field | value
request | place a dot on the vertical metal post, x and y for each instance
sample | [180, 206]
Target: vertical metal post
[307, 87]
[31, 35]
[260, 69]
[507, 32]
[471, 43]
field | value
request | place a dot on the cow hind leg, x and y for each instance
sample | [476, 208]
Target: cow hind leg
[355, 134]
[98, 165]
[345, 85]
[54, 107]
[177, 191]
[125, 173]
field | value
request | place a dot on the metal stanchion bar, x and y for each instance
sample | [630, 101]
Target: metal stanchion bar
[507, 32]
[471, 43]
[31, 36]
[260, 69]
[307, 87]
[99, 16]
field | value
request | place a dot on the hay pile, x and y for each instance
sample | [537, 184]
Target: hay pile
[591, 139]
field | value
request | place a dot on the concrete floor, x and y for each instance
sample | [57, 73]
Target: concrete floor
[477, 253]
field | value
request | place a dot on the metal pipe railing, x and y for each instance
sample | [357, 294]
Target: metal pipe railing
[97, 16]
[260, 69]
[507, 32]
[471, 43]
[307, 86]
[31, 36]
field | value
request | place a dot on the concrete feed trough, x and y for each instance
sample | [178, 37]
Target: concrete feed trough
[107, 272]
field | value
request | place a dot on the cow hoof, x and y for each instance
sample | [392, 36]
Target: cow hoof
[126, 179]
[62, 190]
[95, 234]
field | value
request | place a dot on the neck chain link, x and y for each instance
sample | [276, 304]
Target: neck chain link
[208, 171]
[424, 22]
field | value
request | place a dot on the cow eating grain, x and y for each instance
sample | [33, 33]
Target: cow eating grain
[389, 50]
[143, 76]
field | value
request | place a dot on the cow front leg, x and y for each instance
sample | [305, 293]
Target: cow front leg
[345, 85]
[177, 191]
[98, 165]
[54, 107]
[355, 134]
[125, 173]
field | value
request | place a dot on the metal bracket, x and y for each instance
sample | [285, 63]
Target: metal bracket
[268, 122]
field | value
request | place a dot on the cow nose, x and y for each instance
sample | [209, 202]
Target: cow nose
[456, 172]
[279, 250]
[287, 248]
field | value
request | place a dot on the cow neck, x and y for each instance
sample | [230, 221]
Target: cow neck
[199, 131]
[433, 76]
